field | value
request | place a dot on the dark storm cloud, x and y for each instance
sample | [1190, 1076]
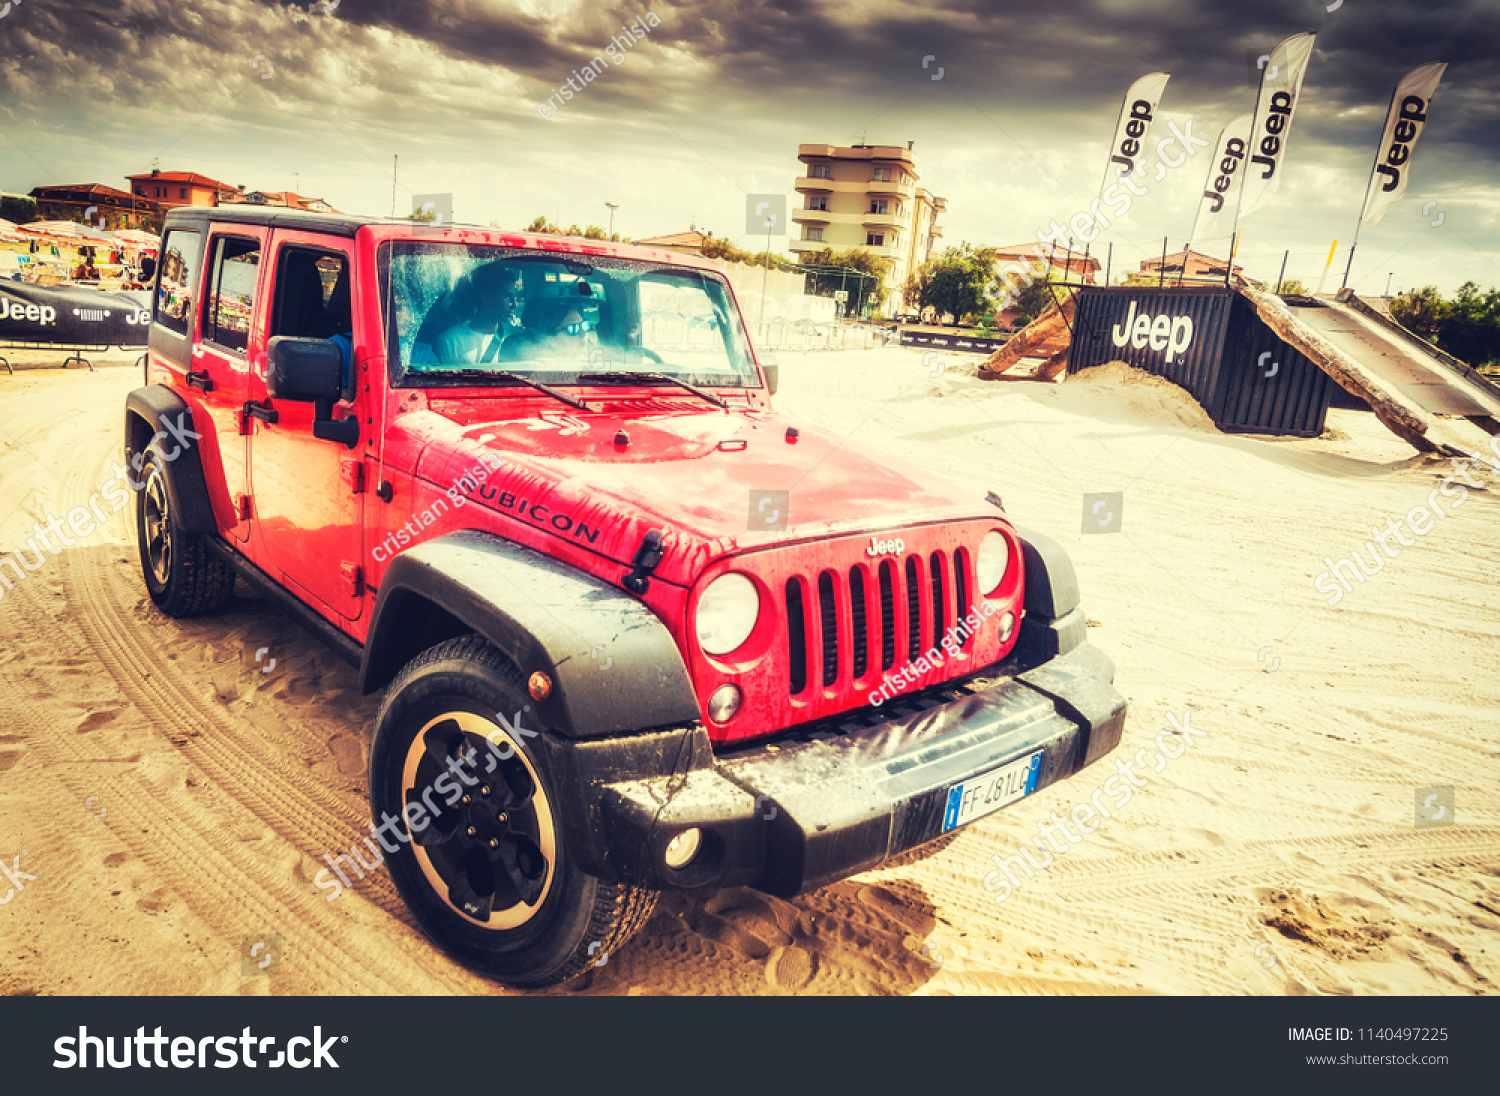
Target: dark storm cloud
[1067, 57]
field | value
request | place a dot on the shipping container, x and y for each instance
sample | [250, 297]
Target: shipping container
[1210, 341]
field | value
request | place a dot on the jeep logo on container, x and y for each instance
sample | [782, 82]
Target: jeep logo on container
[878, 547]
[1170, 333]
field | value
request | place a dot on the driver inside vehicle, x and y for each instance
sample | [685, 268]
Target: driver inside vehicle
[492, 301]
[568, 334]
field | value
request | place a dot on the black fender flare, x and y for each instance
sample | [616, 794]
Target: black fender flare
[613, 664]
[1054, 622]
[147, 412]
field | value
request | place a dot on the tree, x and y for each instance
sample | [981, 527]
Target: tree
[954, 283]
[18, 208]
[726, 252]
[1292, 288]
[1471, 328]
[1037, 295]
[1421, 311]
[858, 272]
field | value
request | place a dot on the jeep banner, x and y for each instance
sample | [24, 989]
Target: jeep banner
[1404, 123]
[1280, 85]
[1136, 115]
[1215, 209]
[972, 343]
[73, 317]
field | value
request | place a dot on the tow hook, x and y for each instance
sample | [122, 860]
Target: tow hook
[647, 556]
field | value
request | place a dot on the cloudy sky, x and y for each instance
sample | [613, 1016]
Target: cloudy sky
[320, 95]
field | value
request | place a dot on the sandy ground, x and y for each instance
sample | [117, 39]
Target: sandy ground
[173, 800]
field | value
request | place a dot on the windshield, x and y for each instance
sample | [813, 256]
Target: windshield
[459, 311]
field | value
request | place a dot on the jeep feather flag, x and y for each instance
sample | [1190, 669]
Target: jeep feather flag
[1279, 88]
[1215, 210]
[1136, 114]
[1404, 123]
[72, 317]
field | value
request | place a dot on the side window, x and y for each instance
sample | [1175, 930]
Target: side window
[179, 276]
[231, 292]
[312, 298]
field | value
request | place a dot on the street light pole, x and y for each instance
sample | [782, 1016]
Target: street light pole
[1388, 278]
[612, 207]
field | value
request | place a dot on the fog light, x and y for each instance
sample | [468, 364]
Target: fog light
[682, 848]
[1007, 626]
[724, 705]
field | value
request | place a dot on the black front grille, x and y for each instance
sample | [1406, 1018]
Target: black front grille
[796, 623]
[937, 582]
[913, 610]
[887, 615]
[857, 612]
[961, 587]
[829, 621]
[939, 602]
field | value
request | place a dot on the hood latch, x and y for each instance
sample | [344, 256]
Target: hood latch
[647, 556]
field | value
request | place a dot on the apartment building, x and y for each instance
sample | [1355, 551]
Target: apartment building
[171, 189]
[867, 196]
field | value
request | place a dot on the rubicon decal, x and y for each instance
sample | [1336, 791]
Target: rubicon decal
[536, 512]
[1174, 334]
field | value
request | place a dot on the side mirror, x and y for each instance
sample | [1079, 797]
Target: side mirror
[312, 371]
[773, 376]
[306, 370]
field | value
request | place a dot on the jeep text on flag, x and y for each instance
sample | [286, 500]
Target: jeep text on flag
[1279, 89]
[1215, 209]
[1404, 123]
[1136, 114]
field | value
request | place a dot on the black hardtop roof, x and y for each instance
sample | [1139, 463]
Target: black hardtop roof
[334, 224]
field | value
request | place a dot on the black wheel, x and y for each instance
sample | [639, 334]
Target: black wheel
[481, 859]
[183, 577]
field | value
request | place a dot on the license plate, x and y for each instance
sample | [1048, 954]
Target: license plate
[988, 792]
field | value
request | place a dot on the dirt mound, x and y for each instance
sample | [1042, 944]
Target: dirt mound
[1116, 391]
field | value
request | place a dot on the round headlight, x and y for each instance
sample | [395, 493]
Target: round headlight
[727, 613]
[994, 554]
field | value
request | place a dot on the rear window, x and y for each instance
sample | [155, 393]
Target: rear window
[178, 280]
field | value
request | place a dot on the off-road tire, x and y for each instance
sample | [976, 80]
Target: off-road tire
[578, 921]
[184, 577]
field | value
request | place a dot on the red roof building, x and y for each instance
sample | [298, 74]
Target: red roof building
[182, 188]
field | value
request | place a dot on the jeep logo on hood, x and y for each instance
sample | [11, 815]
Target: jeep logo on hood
[878, 547]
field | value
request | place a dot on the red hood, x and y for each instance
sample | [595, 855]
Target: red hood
[689, 469]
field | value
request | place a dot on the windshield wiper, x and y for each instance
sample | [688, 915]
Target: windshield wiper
[571, 401]
[626, 377]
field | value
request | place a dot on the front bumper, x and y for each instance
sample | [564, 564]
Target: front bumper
[792, 815]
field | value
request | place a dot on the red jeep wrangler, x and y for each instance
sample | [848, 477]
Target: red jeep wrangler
[636, 630]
